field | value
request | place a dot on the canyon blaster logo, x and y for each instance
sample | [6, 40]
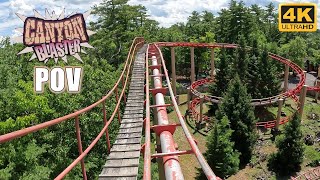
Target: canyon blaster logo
[55, 37]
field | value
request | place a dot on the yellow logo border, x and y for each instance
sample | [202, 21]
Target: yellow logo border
[315, 24]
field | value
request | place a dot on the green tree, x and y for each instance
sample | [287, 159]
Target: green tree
[222, 78]
[271, 23]
[236, 106]
[118, 23]
[220, 154]
[269, 84]
[290, 149]
[241, 59]
[222, 75]
[233, 21]
[254, 77]
[295, 50]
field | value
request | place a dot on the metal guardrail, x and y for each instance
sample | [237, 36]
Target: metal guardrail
[122, 79]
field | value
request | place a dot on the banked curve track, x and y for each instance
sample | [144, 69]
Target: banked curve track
[122, 161]
[291, 93]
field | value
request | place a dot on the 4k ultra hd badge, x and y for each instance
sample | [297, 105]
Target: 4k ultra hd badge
[297, 17]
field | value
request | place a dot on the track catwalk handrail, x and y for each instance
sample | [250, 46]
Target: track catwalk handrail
[203, 163]
[16, 134]
[147, 150]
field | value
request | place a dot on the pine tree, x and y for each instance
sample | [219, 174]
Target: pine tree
[241, 60]
[290, 149]
[254, 77]
[222, 76]
[221, 79]
[236, 106]
[221, 156]
[270, 82]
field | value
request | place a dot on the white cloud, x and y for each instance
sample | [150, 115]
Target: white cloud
[9, 21]
[173, 11]
[169, 12]
[21, 6]
[166, 12]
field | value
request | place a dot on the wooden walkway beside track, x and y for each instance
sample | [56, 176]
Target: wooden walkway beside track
[123, 160]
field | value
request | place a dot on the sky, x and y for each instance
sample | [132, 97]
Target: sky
[166, 12]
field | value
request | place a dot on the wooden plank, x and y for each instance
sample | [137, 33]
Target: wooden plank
[126, 136]
[131, 125]
[119, 172]
[132, 116]
[126, 148]
[128, 141]
[132, 108]
[140, 88]
[122, 162]
[137, 85]
[133, 112]
[136, 91]
[134, 104]
[131, 119]
[123, 148]
[130, 130]
[134, 94]
[140, 100]
[135, 100]
[118, 178]
[124, 155]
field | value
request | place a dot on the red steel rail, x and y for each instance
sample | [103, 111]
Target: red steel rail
[137, 42]
[164, 130]
[165, 127]
[313, 173]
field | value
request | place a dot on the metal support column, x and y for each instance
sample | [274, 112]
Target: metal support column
[212, 63]
[286, 77]
[173, 73]
[201, 108]
[193, 74]
[280, 103]
[303, 95]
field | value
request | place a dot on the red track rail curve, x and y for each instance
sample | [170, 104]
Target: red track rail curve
[255, 102]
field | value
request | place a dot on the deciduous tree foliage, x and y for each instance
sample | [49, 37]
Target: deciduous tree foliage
[296, 50]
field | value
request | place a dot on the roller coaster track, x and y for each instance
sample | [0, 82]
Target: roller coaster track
[311, 174]
[292, 93]
[123, 156]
